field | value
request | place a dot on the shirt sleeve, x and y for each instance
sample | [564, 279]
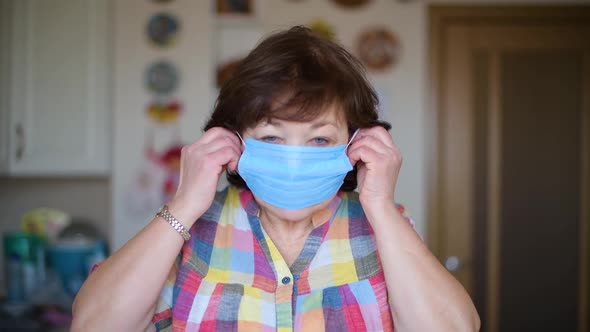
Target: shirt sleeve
[162, 319]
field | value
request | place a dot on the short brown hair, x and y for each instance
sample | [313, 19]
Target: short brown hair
[307, 73]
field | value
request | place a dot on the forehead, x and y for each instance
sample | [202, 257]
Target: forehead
[330, 114]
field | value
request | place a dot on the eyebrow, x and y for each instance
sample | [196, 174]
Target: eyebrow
[323, 124]
[274, 123]
[313, 126]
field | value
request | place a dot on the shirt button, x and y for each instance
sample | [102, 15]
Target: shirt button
[286, 280]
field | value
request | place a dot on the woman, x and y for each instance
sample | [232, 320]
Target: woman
[287, 246]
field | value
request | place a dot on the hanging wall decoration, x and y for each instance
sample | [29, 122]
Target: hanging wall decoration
[161, 78]
[170, 160]
[322, 28]
[164, 112]
[351, 3]
[162, 29]
[379, 49]
[158, 178]
[242, 7]
[145, 190]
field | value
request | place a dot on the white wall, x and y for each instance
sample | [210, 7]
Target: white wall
[405, 86]
[132, 54]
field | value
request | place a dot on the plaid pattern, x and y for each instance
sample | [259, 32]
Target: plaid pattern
[230, 275]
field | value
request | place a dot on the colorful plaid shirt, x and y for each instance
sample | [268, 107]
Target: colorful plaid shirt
[230, 275]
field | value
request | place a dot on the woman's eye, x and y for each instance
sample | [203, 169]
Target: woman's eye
[320, 141]
[270, 139]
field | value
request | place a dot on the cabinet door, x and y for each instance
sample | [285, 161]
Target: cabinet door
[5, 33]
[59, 108]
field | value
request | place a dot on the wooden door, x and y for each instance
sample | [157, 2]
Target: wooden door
[510, 196]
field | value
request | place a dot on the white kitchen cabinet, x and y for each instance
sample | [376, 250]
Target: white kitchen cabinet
[54, 87]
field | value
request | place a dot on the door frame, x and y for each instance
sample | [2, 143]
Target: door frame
[441, 18]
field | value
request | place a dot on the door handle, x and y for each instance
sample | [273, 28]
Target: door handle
[453, 263]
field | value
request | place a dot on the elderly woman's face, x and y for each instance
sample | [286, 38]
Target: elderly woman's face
[328, 129]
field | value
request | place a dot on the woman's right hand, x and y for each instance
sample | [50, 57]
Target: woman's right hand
[113, 288]
[201, 165]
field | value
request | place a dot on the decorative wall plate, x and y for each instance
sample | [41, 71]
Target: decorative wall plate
[378, 49]
[161, 78]
[162, 29]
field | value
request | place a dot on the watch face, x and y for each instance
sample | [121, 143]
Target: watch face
[161, 78]
[162, 29]
[378, 49]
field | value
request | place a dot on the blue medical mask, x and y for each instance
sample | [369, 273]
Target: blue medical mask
[293, 177]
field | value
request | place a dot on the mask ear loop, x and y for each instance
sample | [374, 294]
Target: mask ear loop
[241, 139]
[352, 138]
[243, 144]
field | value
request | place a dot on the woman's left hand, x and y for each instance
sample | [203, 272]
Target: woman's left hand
[378, 162]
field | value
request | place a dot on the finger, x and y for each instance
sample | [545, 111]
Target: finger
[216, 132]
[378, 132]
[373, 143]
[384, 153]
[385, 141]
[365, 154]
[232, 164]
[226, 156]
[220, 142]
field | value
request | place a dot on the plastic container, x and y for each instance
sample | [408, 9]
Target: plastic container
[72, 261]
[24, 261]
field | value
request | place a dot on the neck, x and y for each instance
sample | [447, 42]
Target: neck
[291, 229]
[289, 236]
